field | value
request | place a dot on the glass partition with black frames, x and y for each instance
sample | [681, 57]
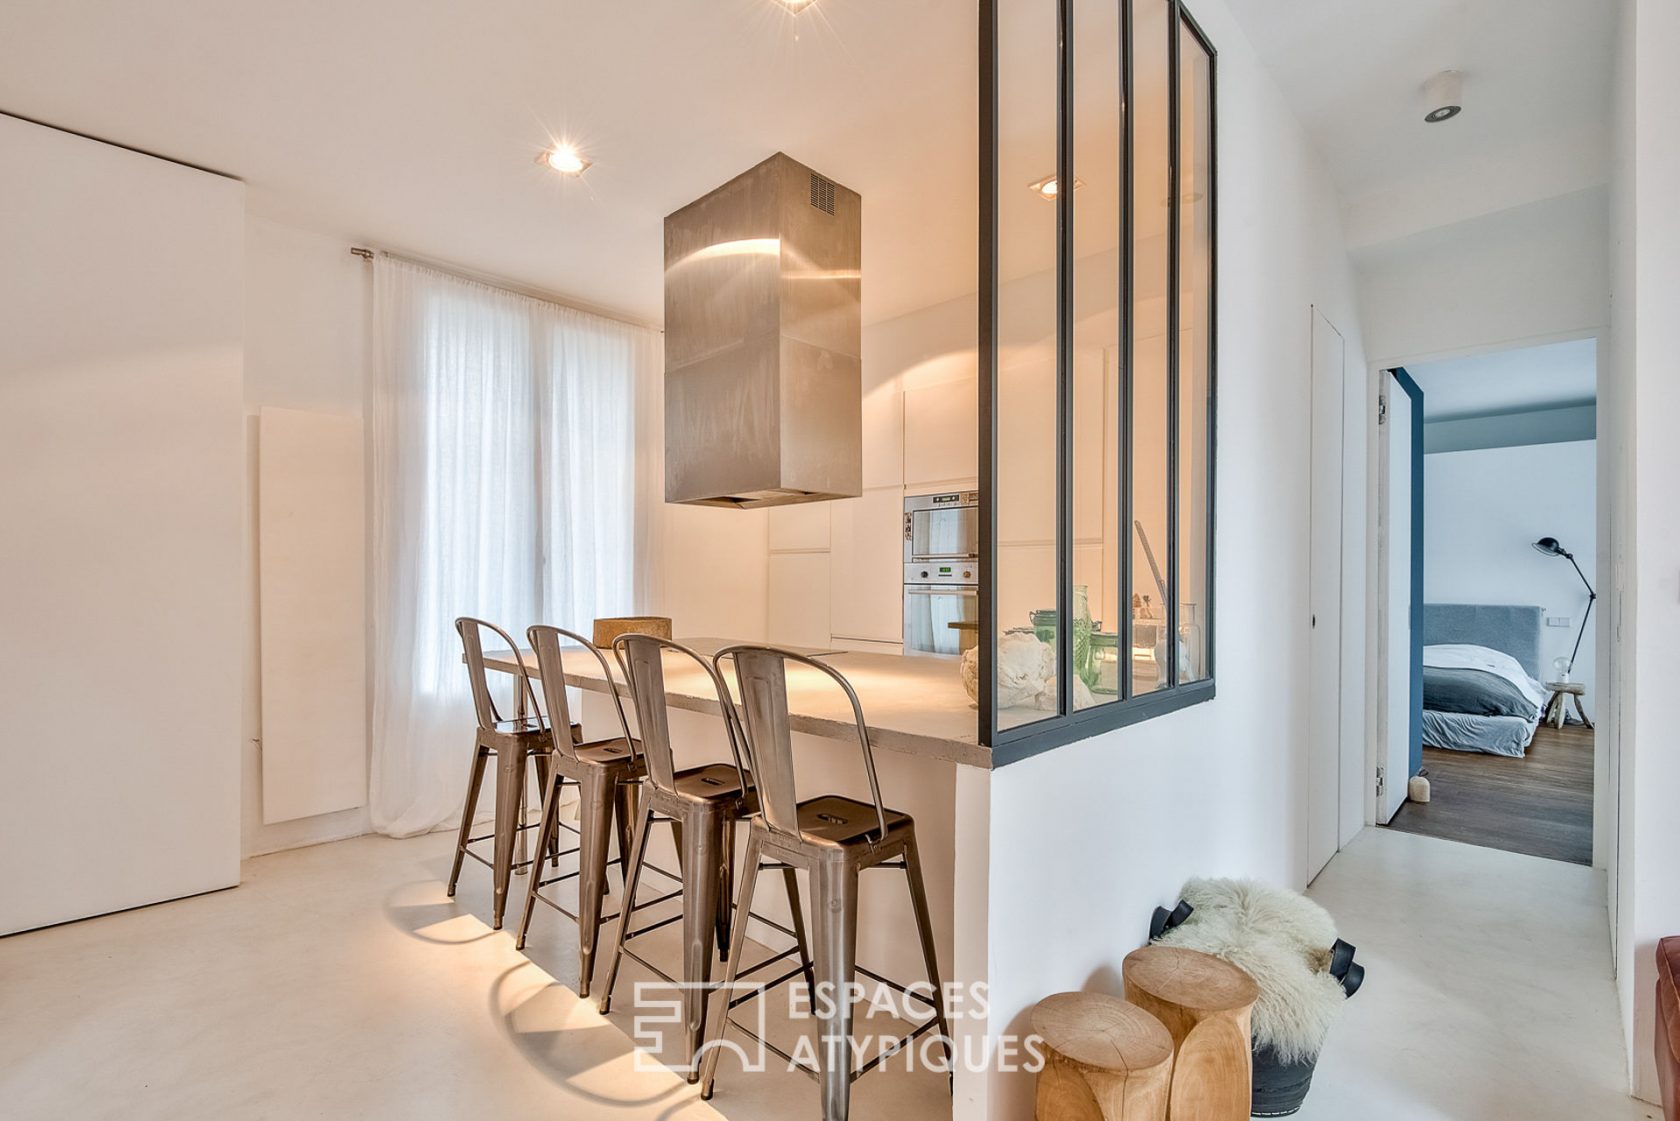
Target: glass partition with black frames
[1098, 283]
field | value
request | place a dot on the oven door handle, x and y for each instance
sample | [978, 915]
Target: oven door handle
[943, 590]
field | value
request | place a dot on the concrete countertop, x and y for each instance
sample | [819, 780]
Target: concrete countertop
[911, 704]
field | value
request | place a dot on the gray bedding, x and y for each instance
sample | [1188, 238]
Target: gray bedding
[1495, 735]
[1509, 628]
[1472, 692]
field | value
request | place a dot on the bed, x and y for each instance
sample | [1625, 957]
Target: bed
[1480, 668]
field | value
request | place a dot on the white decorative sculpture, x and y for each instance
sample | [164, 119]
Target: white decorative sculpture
[1026, 674]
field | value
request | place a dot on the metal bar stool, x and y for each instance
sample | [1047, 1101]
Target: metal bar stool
[703, 804]
[833, 838]
[608, 774]
[511, 741]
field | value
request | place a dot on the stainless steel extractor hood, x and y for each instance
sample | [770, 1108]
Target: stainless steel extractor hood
[763, 336]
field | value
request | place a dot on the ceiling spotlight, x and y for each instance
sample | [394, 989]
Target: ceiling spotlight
[565, 159]
[797, 6]
[1443, 97]
[1047, 188]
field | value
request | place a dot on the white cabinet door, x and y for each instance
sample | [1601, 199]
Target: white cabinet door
[1324, 647]
[868, 566]
[883, 427]
[942, 432]
[799, 599]
[802, 527]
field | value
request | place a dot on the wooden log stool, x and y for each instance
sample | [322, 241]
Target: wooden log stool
[1204, 1003]
[1105, 1060]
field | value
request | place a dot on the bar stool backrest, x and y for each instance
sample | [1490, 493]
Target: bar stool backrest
[471, 632]
[551, 669]
[761, 675]
[641, 656]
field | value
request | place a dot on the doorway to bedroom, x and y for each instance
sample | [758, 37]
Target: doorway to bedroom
[1488, 530]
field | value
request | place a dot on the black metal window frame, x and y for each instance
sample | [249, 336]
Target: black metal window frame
[1009, 745]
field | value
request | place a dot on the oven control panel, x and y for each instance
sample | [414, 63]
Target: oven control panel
[964, 572]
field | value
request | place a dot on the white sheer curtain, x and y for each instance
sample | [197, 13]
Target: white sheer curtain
[506, 484]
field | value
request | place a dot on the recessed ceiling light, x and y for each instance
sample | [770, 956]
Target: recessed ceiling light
[1047, 188]
[565, 159]
[797, 5]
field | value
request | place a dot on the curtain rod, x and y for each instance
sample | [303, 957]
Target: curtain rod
[507, 285]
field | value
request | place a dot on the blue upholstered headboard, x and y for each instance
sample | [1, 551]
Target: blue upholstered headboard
[1514, 630]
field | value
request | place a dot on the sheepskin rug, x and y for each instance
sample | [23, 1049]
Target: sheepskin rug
[1280, 938]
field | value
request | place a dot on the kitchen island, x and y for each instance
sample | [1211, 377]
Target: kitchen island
[912, 704]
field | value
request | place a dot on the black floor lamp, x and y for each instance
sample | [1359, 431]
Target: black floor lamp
[1550, 546]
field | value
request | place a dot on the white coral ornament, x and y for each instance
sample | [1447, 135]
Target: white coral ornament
[1026, 674]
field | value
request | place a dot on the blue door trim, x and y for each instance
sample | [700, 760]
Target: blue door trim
[1415, 392]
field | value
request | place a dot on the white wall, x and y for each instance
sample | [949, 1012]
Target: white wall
[1532, 272]
[1216, 789]
[1481, 512]
[1647, 535]
[120, 449]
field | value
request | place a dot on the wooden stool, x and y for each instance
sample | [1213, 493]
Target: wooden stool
[1105, 1060]
[1562, 692]
[1204, 1003]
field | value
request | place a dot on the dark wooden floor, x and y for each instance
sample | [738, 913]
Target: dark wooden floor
[1540, 804]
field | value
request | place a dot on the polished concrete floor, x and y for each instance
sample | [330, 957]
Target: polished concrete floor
[1488, 994]
[338, 982]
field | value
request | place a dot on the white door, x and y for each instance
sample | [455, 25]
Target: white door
[122, 471]
[1394, 756]
[1329, 353]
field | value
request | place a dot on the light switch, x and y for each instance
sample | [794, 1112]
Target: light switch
[1557, 620]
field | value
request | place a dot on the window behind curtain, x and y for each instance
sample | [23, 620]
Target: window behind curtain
[505, 485]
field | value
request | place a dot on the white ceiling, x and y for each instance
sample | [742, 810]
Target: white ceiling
[415, 124]
[1536, 81]
[1508, 381]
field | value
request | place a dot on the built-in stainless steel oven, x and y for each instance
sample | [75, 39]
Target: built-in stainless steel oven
[941, 572]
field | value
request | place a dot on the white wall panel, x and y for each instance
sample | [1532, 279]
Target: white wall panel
[121, 468]
[311, 566]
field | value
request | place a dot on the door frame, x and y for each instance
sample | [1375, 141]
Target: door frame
[1390, 380]
[1606, 749]
[1414, 751]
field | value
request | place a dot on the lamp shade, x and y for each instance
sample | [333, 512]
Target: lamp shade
[1550, 546]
